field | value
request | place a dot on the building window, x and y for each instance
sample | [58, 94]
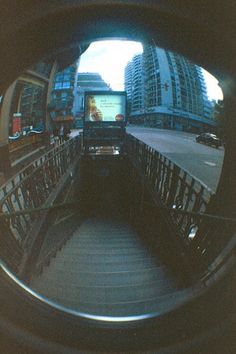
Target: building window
[58, 86]
[66, 84]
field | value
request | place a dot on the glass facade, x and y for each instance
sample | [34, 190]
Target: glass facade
[166, 87]
[62, 96]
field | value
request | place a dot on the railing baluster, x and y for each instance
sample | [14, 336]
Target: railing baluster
[31, 188]
[175, 189]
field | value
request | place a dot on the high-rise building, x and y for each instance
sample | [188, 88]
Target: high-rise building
[134, 84]
[62, 97]
[87, 82]
[167, 90]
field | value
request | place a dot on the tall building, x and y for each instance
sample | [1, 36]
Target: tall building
[62, 96]
[167, 90]
[134, 84]
[86, 82]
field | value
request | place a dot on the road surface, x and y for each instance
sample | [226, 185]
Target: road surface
[201, 161]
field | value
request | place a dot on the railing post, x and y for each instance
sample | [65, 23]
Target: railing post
[173, 186]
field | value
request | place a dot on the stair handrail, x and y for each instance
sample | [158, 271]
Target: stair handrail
[32, 189]
[186, 202]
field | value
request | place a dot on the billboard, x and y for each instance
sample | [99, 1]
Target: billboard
[105, 106]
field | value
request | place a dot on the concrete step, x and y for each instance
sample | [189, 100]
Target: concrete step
[75, 252]
[105, 269]
[114, 264]
[92, 278]
[106, 258]
[112, 236]
[104, 294]
[135, 308]
[126, 242]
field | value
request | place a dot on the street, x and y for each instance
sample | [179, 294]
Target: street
[201, 161]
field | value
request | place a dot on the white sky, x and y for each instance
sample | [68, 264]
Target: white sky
[109, 58]
[214, 90]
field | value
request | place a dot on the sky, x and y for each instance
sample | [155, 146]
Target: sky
[109, 58]
[214, 90]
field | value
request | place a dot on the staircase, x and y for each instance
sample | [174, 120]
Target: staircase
[105, 270]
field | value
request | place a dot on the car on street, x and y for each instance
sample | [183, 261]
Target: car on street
[209, 139]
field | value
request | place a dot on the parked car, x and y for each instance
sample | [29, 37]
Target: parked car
[209, 139]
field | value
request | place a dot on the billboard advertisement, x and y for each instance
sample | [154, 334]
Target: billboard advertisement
[105, 106]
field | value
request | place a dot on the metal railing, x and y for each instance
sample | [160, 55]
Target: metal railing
[185, 202]
[31, 189]
[174, 187]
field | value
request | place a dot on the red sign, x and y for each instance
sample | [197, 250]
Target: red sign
[16, 125]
